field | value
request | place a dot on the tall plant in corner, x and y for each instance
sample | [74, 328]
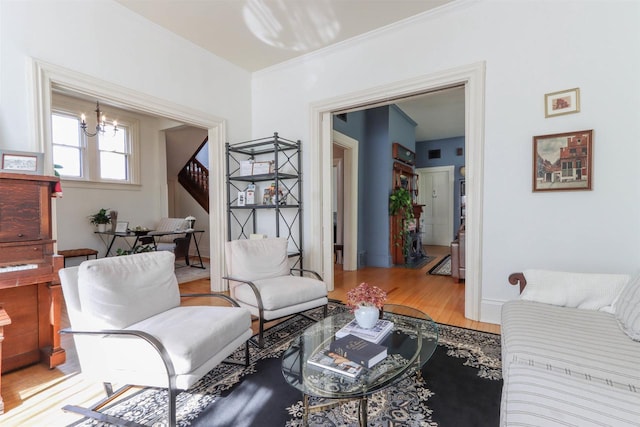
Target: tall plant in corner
[401, 203]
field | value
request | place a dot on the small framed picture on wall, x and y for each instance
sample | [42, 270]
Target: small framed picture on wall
[563, 102]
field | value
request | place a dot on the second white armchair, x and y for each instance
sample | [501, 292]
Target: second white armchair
[261, 280]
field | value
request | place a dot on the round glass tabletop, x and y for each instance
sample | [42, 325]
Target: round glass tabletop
[410, 344]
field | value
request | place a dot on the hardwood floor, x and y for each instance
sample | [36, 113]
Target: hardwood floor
[34, 396]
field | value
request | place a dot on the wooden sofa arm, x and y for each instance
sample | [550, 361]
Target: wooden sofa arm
[515, 278]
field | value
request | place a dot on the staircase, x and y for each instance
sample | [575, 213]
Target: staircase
[194, 176]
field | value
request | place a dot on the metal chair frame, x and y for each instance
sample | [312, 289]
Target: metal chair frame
[93, 411]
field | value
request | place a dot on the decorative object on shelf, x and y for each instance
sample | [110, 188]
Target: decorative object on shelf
[562, 161]
[366, 301]
[401, 203]
[403, 154]
[191, 220]
[21, 162]
[242, 198]
[563, 102]
[121, 227]
[101, 219]
[140, 230]
[113, 218]
[101, 123]
[251, 194]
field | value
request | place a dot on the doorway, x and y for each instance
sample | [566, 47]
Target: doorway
[347, 199]
[472, 77]
[435, 192]
[49, 77]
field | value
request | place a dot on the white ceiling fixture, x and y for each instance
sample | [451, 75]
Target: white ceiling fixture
[255, 34]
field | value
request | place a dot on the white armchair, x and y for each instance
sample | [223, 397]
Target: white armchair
[261, 280]
[129, 327]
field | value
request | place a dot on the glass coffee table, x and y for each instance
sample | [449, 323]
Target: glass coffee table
[409, 346]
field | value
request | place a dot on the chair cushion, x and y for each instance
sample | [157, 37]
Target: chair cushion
[111, 301]
[257, 259]
[282, 291]
[628, 309]
[170, 224]
[588, 291]
[193, 334]
[569, 341]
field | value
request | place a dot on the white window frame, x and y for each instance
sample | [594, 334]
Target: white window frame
[90, 161]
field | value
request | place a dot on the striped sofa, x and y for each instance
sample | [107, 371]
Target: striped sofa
[565, 359]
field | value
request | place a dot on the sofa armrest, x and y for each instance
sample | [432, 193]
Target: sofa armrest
[518, 278]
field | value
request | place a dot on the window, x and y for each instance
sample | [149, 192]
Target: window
[114, 154]
[107, 158]
[67, 145]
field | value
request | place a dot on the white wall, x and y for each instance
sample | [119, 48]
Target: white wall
[530, 48]
[108, 42]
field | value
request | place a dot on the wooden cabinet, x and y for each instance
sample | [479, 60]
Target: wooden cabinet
[30, 291]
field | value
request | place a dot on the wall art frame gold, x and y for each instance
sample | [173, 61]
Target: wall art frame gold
[562, 102]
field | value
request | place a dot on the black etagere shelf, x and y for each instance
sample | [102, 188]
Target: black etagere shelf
[279, 214]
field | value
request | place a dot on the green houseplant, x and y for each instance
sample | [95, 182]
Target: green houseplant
[401, 203]
[101, 219]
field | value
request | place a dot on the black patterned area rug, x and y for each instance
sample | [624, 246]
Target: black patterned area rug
[459, 386]
[443, 268]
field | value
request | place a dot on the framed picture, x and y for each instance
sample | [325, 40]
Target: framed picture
[21, 162]
[122, 227]
[563, 102]
[563, 161]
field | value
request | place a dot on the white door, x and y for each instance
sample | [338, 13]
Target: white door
[435, 192]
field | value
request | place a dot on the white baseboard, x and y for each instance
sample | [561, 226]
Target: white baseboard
[490, 311]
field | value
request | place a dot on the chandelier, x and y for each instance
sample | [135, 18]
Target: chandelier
[101, 123]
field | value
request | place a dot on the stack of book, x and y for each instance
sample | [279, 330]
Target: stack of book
[375, 335]
[325, 359]
[354, 349]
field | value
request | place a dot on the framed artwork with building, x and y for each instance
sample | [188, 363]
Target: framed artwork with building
[563, 161]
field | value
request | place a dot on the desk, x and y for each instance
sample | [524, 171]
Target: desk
[109, 238]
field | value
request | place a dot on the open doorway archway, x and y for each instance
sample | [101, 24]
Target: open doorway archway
[473, 79]
[46, 77]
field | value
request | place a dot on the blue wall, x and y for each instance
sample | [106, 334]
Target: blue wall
[447, 147]
[376, 129]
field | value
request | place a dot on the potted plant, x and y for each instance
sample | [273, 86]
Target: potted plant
[366, 301]
[401, 203]
[101, 219]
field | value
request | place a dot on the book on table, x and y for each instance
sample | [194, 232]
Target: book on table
[361, 351]
[325, 359]
[375, 334]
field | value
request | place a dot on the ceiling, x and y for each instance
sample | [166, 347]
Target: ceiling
[267, 32]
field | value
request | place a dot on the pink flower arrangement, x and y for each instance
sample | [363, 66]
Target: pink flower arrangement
[366, 294]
